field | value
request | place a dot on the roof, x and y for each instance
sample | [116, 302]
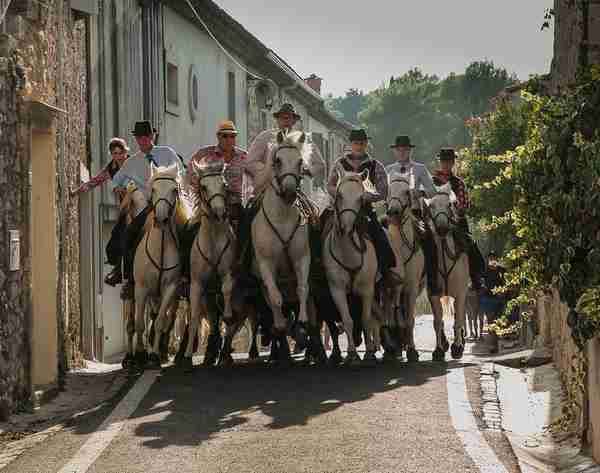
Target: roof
[255, 54]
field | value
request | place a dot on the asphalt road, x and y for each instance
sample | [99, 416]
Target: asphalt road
[256, 418]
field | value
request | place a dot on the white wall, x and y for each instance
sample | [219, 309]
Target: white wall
[187, 45]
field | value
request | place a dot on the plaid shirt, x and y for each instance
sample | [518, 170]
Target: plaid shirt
[458, 187]
[379, 177]
[233, 173]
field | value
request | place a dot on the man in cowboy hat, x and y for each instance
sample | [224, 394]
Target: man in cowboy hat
[422, 182]
[286, 118]
[137, 169]
[447, 158]
[233, 158]
[359, 160]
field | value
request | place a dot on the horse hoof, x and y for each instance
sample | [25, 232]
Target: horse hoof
[445, 344]
[335, 359]
[389, 357]
[141, 358]
[352, 360]
[187, 364]
[154, 361]
[209, 361]
[387, 340]
[253, 355]
[457, 351]
[300, 336]
[370, 359]
[127, 361]
[412, 355]
[226, 361]
[438, 355]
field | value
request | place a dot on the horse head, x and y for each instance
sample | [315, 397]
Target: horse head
[165, 192]
[441, 209]
[212, 189]
[399, 195]
[288, 163]
[349, 200]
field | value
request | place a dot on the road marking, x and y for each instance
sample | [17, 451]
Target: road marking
[466, 427]
[101, 438]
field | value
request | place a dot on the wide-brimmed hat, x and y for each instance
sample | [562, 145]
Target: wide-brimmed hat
[492, 254]
[402, 141]
[358, 135]
[227, 127]
[287, 108]
[143, 128]
[447, 154]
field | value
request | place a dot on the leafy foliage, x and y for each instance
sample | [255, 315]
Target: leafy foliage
[431, 110]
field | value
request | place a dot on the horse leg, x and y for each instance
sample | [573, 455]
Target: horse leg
[412, 354]
[213, 344]
[161, 323]
[129, 315]
[458, 345]
[274, 297]
[253, 353]
[302, 270]
[339, 297]
[438, 325]
[141, 296]
[371, 327]
[231, 328]
[227, 289]
[336, 353]
[194, 323]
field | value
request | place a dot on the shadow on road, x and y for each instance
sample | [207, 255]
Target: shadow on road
[187, 410]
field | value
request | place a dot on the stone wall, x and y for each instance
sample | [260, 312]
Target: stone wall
[570, 50]
[43, 59]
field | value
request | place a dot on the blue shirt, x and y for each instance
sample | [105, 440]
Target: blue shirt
[137, 167]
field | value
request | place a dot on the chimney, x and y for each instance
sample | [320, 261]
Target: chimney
[314, 82]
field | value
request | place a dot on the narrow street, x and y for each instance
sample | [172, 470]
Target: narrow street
[256, 418]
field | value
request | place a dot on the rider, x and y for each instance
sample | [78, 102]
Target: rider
[357, 161]
[447, 158]
[422, 181]
[137, 170]
[119, 152]
[233, 158]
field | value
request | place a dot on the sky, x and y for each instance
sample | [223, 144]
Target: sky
[352, 44]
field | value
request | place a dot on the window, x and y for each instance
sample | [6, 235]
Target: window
[193, 92]
[172, 84]
[231, 95]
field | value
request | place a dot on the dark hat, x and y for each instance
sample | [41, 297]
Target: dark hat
[402, 141]
[287, 108]
[358, 135]
[447, 154]
[143, 128]
[492, 254]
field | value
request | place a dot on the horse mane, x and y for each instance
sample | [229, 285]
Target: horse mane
[169, 172]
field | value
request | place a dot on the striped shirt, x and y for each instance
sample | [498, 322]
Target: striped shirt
[137, 168]
[233, 172]
[348, 162]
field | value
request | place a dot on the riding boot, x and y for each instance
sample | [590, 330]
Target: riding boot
[114, 251]
[187, 237]
[386, 258]
[431, 261]
[131, 240]
[476, 261]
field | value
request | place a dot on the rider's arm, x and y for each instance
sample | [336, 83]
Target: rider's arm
[380, 181]
[334, 176]
[257, 153]
[95, 181]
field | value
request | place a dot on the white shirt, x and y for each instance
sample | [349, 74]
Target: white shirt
[420, 176]
[137, 167]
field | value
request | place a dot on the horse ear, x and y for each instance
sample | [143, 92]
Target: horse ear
[302, 138]
[153, 169]
[280, 137]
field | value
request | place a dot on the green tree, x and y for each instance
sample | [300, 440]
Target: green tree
[349, 106]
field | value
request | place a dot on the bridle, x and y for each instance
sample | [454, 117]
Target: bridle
[279, 178]
[207, 202]
[172, 205]
[361, 246]
[403, 207]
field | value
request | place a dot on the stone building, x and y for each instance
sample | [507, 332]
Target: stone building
[43, 138]
[576, 39]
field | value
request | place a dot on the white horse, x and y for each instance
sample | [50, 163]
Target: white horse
[409, 254]
[453, 272]
[280, 233]
[351, 264]
[156, 264]
[213, 254]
